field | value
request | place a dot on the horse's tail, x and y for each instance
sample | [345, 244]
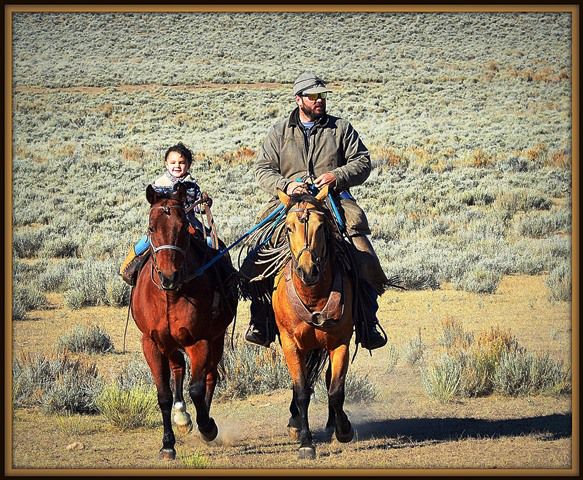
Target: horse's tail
[315, 363]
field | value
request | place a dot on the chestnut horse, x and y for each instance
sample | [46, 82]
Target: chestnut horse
[312, 302]
[178, 314]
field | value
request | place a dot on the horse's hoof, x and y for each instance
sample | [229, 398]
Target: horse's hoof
[345, 437]
[307, 453]
[184, 429]
[167, 454]
[209, 433]
[182, 421]
[294, 433]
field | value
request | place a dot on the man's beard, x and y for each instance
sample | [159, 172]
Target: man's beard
[311, 113]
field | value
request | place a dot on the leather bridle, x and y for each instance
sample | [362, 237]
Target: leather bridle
[155, 249]
[304, 218]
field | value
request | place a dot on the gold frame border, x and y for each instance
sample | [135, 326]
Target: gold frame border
[9, 10]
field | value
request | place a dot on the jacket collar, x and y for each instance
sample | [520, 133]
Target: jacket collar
[294, 119]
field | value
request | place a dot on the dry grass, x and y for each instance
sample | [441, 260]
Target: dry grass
[134, 153]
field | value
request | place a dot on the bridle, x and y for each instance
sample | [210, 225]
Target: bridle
[155, 249]
[304, 218]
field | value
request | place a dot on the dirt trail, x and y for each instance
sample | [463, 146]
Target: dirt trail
[90, 90]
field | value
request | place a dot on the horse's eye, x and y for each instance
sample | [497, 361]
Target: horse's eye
[151, 229]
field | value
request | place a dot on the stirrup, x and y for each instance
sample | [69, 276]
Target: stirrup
[372, 338]
[374, 341]
[130, 273]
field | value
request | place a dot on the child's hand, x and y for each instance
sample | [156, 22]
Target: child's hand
[206, 199]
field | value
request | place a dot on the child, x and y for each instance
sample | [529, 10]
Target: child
[177, 161]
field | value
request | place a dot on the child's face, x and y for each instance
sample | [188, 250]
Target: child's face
[176, 164]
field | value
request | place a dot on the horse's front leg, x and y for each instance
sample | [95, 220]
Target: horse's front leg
[216, 353]
[161, 374]
[296, 364]
[294, 425]
[339, 366]
[199, 358]
[180, 416]
[331, 422]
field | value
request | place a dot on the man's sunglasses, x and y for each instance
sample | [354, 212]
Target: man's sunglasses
[314, 96]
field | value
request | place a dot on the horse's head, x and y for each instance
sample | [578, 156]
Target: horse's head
[168, 234]
[307, 233]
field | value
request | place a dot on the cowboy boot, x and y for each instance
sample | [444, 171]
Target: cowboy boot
[367, 333]
[373, 283]
[134, 261]
[261, 329]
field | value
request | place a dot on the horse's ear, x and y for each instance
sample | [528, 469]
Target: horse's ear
[283, 197]
[151, 194]
[323, 193]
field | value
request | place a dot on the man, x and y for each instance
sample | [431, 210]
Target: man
[312, 145]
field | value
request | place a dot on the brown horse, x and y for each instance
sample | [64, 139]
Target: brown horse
[177, 313]
[312, 302]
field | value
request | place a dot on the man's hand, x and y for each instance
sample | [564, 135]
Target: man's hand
[327, 178]
[296, 188]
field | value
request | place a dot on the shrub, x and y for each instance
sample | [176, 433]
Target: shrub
[537, 225]
[442, 380]
[55, 276]
[479, 280]
[559, 283]
[521, 200]
[414, 275]
[357, 389]
[28, 242]
[453, 335]
[56, 384]
[74, 299]
[415, 350]
[136, 373]
[129, 408]
[117, 293]
[90, 339]
[493, 362]
[88, 285]
[60, 248]
[393, 358]
[522, 373]
[250, 370]
[26, 298]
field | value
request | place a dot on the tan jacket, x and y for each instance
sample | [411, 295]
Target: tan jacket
[334, 146]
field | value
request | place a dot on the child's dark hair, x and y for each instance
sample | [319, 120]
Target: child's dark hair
[182, 150]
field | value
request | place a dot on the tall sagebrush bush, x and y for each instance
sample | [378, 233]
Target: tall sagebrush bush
[88, 339]
[57, 384]
[492, 362]
[250, 369]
